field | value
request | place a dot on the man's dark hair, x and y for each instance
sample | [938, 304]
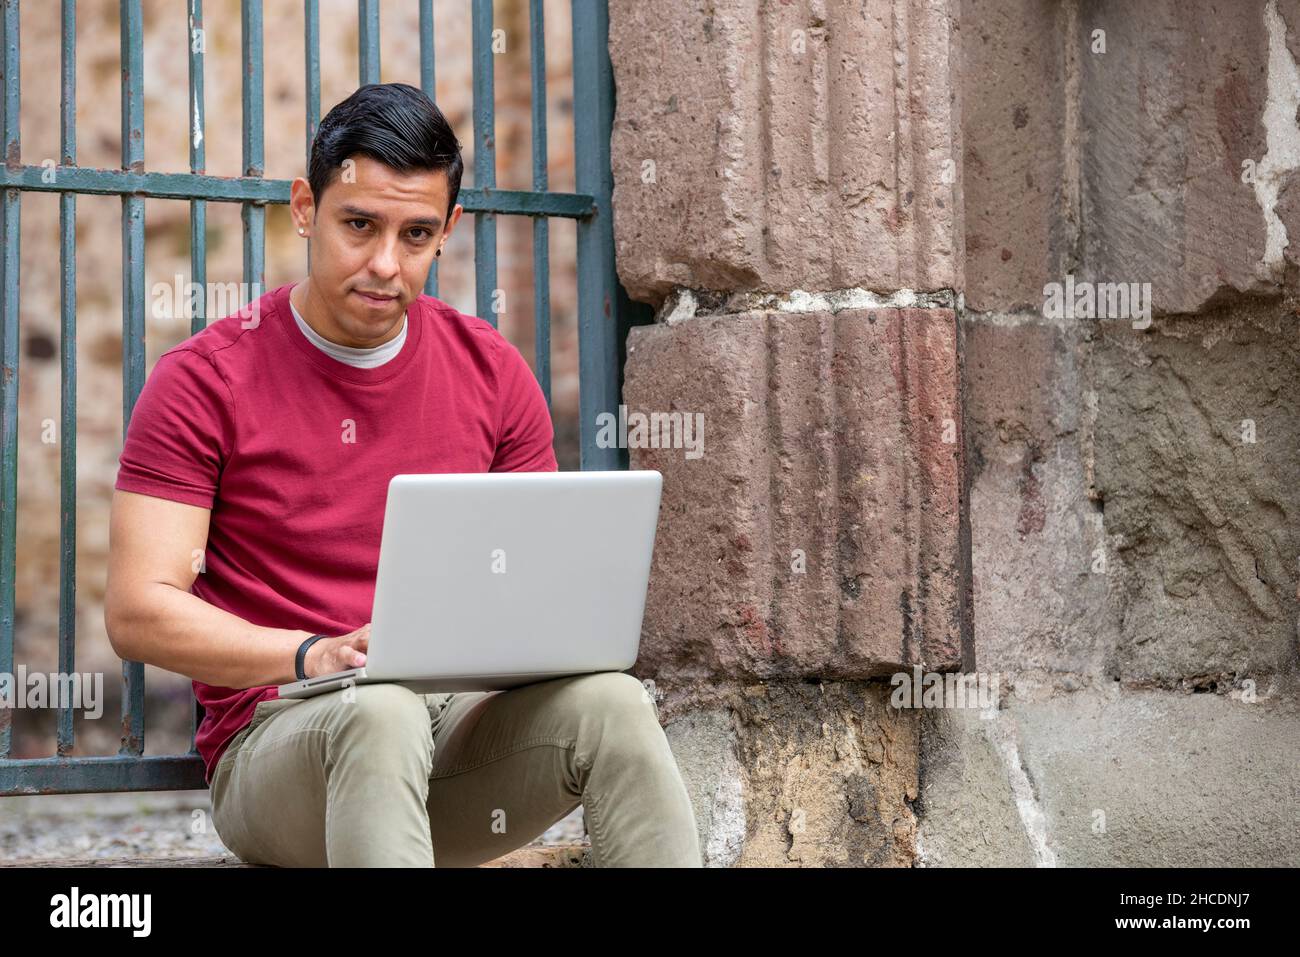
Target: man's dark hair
[394, 123]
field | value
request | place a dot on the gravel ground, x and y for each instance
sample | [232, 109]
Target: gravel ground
[147, 824]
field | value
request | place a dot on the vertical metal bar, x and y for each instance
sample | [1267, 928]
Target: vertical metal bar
[429, 84]
[67, 371]
[253, 214]
[132, 42]
[541, 225]
[593, 112]
[368, 23]
[9, 378]
[311, 45]
[485, 166]
[197, 43]
[311, 41]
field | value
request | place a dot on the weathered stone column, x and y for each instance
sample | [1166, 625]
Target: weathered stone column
[1134, 498]
[787, 191]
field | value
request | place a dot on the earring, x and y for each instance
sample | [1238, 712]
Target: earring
[439, 252]
[301, 231]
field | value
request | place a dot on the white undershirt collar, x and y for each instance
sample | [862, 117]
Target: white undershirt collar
[353, 356]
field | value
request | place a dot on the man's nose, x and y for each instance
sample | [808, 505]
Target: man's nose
[384, 263]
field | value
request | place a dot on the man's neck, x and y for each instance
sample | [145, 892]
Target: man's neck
[304, 298]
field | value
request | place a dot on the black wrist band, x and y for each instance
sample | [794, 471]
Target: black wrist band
[300, 661]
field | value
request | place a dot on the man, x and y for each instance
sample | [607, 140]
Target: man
[246, 521]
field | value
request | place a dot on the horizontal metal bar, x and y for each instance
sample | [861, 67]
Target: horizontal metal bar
[172, 772]
[111, 182]
[237, 189]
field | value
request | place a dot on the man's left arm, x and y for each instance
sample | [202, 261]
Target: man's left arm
[525, 434]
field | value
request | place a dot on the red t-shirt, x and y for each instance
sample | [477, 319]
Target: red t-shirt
[292, 450]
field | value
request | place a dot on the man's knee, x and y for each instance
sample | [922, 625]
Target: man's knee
[380, 716]
[618, 698]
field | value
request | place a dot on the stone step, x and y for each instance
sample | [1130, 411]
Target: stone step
[533, 855]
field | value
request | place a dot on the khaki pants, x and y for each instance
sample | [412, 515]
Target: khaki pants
[378, 775]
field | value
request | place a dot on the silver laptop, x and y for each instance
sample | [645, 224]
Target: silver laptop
[490, 581]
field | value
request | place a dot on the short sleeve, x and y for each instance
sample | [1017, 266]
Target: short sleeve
[181, 432]
[525, 436]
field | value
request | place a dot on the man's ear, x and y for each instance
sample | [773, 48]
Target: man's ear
[452, 220]
[302, 205]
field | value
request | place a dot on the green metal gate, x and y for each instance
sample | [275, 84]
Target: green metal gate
[602, 307]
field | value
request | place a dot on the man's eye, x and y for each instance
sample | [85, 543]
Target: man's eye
[363, 223]
[423, 234]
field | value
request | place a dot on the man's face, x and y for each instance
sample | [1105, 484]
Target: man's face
[373, 237]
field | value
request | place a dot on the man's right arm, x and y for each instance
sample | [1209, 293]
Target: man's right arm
[181, 433]
[155, 547]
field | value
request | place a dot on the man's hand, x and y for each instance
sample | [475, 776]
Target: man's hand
[331, 655]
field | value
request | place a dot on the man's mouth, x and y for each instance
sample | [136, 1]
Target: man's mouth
[377, 299]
